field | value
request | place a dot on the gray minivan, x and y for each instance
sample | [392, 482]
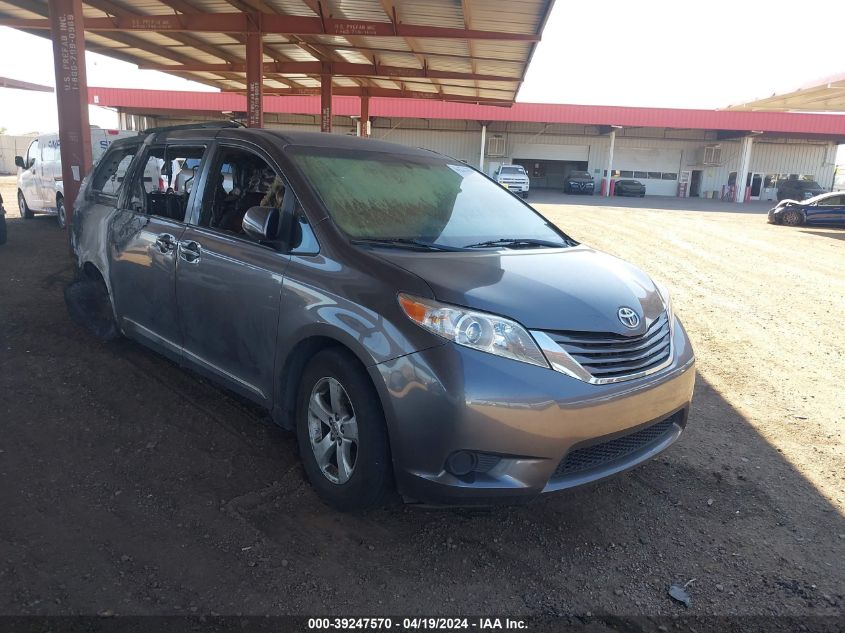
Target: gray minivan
[420, 328]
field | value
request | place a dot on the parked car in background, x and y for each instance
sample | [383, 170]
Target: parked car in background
[798, 189]
[2, 221]
[579, 182]
[828, 208]
[440, 336]
[629, 188]
[40, 186]
[515, 178]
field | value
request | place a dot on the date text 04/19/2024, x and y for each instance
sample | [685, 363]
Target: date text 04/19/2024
[418, 623]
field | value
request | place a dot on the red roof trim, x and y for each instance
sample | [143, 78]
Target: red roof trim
[788, 122]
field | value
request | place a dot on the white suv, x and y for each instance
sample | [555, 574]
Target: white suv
[40, 187]
[513, 177]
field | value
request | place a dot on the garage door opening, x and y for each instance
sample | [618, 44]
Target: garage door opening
[550, 174]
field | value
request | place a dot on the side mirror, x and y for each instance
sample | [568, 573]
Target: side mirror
[270, 226]
[262, 223]
[19, 162]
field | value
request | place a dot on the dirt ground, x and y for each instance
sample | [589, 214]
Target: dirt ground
[130, 486]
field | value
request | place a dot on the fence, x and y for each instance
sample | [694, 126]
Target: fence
[11, 146]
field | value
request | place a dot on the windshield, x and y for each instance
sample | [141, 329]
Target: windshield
[512, 170]
[579, 174]
[814, 199]
[380, 196]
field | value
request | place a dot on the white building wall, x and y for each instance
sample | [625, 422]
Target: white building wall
[11, 146]
[673, 151]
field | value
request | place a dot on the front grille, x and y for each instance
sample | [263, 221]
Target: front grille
[598, 455]
[609, 355]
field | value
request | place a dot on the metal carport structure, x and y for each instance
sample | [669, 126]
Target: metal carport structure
[471, 51]
[822, 95]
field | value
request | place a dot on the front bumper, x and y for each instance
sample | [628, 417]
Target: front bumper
[526, 423]
[515, 186]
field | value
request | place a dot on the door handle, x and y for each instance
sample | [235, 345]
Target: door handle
[190, 251]
[165, 242]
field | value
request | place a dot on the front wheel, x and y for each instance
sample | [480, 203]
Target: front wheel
[792, 218]
[2, 229]
[23, 207]
[61, 216]
[342, 434]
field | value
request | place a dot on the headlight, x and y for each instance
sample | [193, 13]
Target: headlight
[667, 303]
[478, 330]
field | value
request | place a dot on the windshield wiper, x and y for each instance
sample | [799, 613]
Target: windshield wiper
[405, 242]
[519, 243]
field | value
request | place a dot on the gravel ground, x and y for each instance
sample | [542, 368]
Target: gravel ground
[129, 486]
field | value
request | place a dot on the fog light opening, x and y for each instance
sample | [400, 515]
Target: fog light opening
[461, 463]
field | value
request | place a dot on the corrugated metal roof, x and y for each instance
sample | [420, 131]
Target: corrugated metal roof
[348, 37]
[830, 125]
[823, 95]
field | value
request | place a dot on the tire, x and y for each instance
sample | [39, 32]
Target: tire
[642, 195]
[369, 481]
[791, 217]
[2, 229]
[23, 207]
[61, 217]
[88, 303]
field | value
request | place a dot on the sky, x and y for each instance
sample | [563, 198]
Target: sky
[660, 53]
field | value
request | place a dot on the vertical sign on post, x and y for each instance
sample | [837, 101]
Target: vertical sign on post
[255, 79]
[325, 101]
[67, 32]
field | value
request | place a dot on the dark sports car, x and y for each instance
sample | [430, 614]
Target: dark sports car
[629, 188]
[828, 208]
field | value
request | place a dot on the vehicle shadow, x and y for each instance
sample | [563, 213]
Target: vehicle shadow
[132, 486]
[832, 233]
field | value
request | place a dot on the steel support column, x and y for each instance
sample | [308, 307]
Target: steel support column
[483, 143]
[365, 116]
[744, 164]
[325, 102]
[67, 33]
[255, 79]
[609, 164]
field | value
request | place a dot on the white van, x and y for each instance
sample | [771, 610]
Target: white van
[40, 188]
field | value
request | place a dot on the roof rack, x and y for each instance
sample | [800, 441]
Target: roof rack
[193, 126]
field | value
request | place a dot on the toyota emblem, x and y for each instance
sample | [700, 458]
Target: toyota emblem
[628, 317]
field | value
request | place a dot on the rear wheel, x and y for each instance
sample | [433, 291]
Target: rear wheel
[792, 218]
[89, 305]
[2, 229]
[342, 434]
[61, 217]
[23, 207]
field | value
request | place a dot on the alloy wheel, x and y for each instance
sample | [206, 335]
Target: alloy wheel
[792, 218]
[60, 215]
[22, 208]
[333, 430]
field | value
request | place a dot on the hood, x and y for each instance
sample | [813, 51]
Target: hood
[580, 179]
[562, 289]
[786, 202]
